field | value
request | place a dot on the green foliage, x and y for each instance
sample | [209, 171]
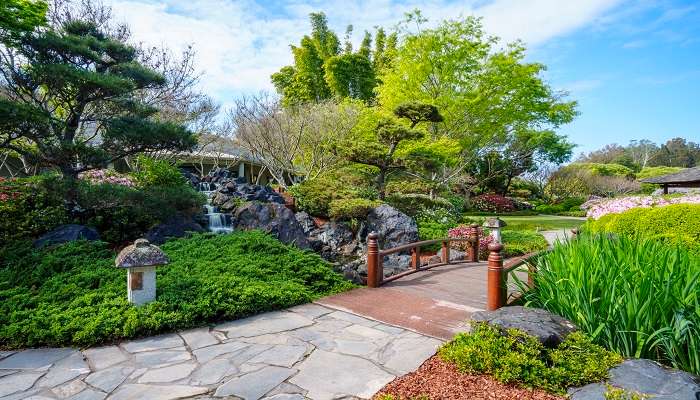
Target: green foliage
[650, 172]
[20, 17]
[415, 204]
[602, 169]
[85, 75]
[518, 358]
[640, 298]
[31, 206]
[676, 224]
[614, 393]
[517, 243]
[72, 295]
[153, 172]
[354, 208]
[315, 195]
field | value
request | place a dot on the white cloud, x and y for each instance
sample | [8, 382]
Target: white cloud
[239, 43]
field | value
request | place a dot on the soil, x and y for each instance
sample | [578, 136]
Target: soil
[440, 380]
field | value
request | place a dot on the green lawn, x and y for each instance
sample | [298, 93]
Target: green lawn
[538, 222]
[74, 295]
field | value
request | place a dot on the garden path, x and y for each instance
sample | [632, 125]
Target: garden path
[556, 235]
[309, 351]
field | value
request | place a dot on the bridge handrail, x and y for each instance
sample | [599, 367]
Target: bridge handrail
[421, 243]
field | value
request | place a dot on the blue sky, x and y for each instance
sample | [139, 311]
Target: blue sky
[634, 66]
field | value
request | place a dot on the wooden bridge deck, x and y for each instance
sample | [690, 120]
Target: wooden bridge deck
[436, 302]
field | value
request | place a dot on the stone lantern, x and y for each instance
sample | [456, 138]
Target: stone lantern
[495, 225]
[140, 260]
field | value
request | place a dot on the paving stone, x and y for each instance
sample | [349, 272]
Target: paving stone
[161, 358]
[407, 352]
[311, 310]
[355, 347]
[69, 389]
[5, 372]
[365, 332]
[208, 353]
[274, 322]
[330, 375]
[108, 379]
[4, 354]
[198, 338]
[34, 358]
[274, 339]
[355, 319]
[286, 388]
[18, 382]
[153, 392]
[168, 374]
[280, 355]
[254, 385]
[103, 357]
[37, 397]
[213, 372]
[65, 370]
[285, 396]
[160, 342]
[89, 394]
[392, 330]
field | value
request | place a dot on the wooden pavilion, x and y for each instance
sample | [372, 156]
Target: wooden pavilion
[688, 178]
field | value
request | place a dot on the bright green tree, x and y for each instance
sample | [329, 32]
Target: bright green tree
[71, 100]
[20, 17]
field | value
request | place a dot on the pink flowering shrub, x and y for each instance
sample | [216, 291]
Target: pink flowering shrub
[600, 207]
[493, 203]
[462, 232]
[99, 176]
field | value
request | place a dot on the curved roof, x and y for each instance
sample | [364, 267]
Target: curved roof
[685, 176]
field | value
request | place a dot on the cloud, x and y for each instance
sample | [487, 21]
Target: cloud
[240, 43]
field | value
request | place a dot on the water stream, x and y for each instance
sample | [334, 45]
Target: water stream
[218, 221]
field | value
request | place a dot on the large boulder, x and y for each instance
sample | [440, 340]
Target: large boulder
[394, 227]
[67, 233]
[175, 227]
[644, 377]
[230, 194]
[273, 218]
[550, 329]
[306, 222]
[335, 241]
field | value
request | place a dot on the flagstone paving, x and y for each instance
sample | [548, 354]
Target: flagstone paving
[306, 352]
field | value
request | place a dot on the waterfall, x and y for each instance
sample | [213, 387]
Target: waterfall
[218, 221]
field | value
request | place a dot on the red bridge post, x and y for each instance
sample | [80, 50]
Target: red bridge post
[374, 275]
[497, 290]
[474, 243]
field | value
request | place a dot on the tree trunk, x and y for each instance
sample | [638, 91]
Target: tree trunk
[381, 183]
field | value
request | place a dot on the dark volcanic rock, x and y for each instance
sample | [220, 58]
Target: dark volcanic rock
[644, 377]
[394, 227]
[175, 227]
[549, 328]
[67, 233]
[273, 218]
[306, 222]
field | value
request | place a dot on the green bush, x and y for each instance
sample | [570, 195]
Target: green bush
[638, 297]
[72, 295]
[600, 169]
[315, 195]
[518, 358]
[517, 243]
[345, 209]
[415, 204]
[677, 224]
[30, 206]
[154, 172]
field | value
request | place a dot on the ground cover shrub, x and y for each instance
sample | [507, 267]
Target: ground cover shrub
[354, 208]
[517, 243]
[30, 206]
[638, 297]
[518, 358]
[73, 295]
[492, 203]
[677, 224]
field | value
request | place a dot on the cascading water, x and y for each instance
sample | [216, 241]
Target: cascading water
[218, 222]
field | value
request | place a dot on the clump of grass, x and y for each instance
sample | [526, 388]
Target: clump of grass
[638, 297]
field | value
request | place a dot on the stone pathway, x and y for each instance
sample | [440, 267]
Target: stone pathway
[306, 352]
[560, 235]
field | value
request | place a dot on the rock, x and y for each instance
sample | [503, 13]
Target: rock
[67, 233]
[645, 377]
[35, 358]
[273, 218]
[262, 324]
[306, 222]
[103, 357]
[254, 385]
[168, 374]
[175, 227]
[193, 179]
[549, 328]
[156, 392]
[334, 241]
[394, 227]
[198, 338]
[159, 342]
[18, 382]
[108, 379]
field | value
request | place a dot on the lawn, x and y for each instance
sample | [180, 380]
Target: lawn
[74, 295]
[537, 222]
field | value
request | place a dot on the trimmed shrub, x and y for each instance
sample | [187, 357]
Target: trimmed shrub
[315, 195]
[677, 224]
[153, 172]
[415, 204]
[71, 295]
[638, 297]
[517, 243]
[344, 209]
[518, 358]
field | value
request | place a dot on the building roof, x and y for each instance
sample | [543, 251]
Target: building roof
[686, 176]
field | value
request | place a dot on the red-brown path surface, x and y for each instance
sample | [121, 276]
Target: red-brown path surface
[436, 302]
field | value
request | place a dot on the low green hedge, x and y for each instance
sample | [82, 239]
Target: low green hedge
[344, 209]
[677, 224]
[72, 295]
[517, 243]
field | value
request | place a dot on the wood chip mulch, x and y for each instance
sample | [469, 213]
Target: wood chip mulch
[440, 380]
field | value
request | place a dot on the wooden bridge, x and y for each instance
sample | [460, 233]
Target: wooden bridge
[437, 298]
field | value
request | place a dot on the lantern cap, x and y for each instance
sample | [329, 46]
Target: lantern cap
[141, 254]
[494, 223]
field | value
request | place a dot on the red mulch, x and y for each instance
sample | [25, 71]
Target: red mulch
[440, 380]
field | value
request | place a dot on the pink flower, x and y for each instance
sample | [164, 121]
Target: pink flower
[610, 206]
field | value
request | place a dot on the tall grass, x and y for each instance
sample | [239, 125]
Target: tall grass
[638, 297]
